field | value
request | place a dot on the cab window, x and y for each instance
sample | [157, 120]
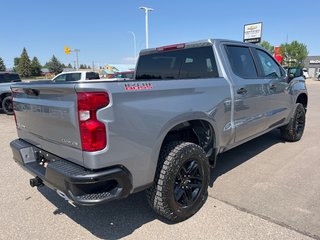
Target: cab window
[60, 78]
[73, 77]
[270, 69]
[241, 61]
[186, 63]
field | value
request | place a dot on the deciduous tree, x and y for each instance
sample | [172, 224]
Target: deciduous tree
[294, 53]
[267, 46]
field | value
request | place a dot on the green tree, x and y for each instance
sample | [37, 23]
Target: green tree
[35, 67]
[2, 66]
[294, 53]
[16, 64]
[54, 65]
[267, 46]
[24, 67]
[70, 66]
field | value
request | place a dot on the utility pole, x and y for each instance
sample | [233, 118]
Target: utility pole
[146, 10]
[67, 50]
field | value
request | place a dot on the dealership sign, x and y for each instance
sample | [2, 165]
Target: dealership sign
[252, 32]
[316, 61]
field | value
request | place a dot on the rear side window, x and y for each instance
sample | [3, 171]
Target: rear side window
[73, 77]
[178, 64]
[68, 77]
[270, 68]
[241, 61]
[92, 76]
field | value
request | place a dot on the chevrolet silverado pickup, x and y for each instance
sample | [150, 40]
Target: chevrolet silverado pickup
[75, 76]
[93, 142]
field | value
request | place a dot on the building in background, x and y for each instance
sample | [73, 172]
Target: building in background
[110, 70]
[312, 64]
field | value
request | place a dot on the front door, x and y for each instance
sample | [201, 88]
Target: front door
[252, 93]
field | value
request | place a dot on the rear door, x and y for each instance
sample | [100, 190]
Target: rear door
[47, 117]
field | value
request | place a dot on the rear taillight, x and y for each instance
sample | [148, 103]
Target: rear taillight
[93, 132]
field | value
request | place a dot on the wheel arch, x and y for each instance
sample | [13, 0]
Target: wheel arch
[303, 99]
[199, 131]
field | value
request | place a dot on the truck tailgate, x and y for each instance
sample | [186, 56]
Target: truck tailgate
[46, 116]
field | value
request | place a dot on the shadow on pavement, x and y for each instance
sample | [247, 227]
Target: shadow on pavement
[113, 220]
[235, 157]
[120, 218]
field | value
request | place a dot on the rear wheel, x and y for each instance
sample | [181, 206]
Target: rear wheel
[7, 105]
[293, 131]
[181, 183]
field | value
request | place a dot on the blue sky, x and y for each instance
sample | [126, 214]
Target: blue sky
[100, 28]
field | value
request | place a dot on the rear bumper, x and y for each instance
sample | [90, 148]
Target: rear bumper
[81, 185]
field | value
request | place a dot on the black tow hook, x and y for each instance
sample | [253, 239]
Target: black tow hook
[36, 182]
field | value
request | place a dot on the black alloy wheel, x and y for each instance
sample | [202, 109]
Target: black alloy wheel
[300, 121]
[180, 186]
[188, 183]
[293, 131]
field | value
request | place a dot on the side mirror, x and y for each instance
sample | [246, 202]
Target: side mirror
[295, 72]
[291, 76]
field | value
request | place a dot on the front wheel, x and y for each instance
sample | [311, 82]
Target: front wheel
[7, 105]
[293, 131]
[180, 186]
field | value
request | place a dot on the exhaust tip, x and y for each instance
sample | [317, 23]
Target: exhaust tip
[36, 182]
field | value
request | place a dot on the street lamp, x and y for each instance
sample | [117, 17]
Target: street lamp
[134, 44]
[146, 10]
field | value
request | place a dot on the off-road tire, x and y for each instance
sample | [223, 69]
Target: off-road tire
[293, 131]
[162, 196]
[7, 106]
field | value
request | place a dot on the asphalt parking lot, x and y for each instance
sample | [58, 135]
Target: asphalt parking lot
[264, 189]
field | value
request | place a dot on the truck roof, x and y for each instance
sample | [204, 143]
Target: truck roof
[78, 71]
[193, 44]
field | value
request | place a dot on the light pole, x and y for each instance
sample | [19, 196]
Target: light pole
[134, 44]
[146, 10]
[76, 51]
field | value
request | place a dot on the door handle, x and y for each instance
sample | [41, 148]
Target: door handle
[273, 86]
[242, 91]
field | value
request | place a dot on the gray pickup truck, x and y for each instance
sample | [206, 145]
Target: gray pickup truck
[97, 141]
